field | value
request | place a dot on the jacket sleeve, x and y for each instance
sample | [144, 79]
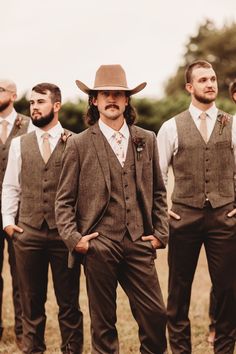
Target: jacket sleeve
[66, 198]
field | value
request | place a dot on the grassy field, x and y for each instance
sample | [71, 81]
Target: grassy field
[126, 326]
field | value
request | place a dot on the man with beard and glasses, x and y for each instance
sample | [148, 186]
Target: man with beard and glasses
[12, 124]
[111, 208]
[200, 144]
[31, 178]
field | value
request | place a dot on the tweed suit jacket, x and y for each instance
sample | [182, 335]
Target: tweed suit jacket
[84, 187]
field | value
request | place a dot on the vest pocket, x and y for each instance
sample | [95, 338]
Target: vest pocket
[184, 186]
[226, 187]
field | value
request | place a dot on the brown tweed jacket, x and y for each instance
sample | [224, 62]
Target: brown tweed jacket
[84, 187]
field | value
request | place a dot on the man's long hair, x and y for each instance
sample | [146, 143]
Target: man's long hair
[92, 115]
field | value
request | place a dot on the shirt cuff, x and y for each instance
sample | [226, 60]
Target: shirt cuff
[7, 220]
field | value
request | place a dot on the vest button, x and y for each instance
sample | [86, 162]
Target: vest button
[207, 180]
[127, 224]
[126, 185]
[128, 210]
[126, 198]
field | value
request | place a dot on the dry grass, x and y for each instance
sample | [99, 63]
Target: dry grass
[126, 326]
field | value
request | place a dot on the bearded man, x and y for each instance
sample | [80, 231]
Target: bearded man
[12, 124]
[200, 144]
[31, 178]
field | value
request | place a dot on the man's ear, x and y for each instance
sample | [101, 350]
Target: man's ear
[189, 87]
[94, 101]
[57, 106]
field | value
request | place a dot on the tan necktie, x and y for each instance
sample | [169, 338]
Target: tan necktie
[4, 131]
[203, 126]
[118, 147]
[46, 150]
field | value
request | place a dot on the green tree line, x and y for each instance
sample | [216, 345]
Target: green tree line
[216, 45]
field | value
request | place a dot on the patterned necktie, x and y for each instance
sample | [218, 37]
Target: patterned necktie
[203, 126]
[4, 131]
[46, 150]
[118, 147]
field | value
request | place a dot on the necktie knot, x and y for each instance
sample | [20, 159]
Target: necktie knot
[45, 136]
[3, 136]
[203, 116]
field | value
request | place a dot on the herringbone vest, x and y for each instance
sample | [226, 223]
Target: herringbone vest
[203, 171]
[39, 182]
[123, 211]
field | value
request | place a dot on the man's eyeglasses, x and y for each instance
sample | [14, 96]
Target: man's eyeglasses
[2, 89]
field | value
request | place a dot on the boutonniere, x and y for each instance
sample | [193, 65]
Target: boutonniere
[19, 122]
[223, 119]
[65, 136]
[139, 143]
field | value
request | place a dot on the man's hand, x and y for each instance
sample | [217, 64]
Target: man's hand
[231, 213]
[10, 229]
[174, 215]
[154, 241]
[83, 244]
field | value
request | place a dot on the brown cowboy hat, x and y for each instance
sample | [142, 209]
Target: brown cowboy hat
[110, 77]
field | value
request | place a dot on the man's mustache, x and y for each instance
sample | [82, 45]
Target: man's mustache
[112, 106]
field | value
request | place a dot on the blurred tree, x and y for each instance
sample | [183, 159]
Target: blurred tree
[22, 105]
[218, 46]
[71, 115]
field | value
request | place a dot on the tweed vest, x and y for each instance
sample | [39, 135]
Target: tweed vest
[123, 212]
[203, 170]
[39, 182]
[20, 127]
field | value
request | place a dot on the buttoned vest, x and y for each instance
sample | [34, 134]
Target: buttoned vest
[39, 182]
[203, 170]
[20, 127]
[123, 212]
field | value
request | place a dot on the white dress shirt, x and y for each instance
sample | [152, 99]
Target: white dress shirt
[11, 189]
[167, 137]
[108, 132]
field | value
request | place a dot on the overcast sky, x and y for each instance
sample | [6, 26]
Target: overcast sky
[60, 41]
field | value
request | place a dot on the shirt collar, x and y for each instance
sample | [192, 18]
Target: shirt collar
[10, 118]
[108, 131]
[195, 112]
[54, 132]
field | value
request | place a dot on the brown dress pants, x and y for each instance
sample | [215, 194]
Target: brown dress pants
[217, 232]
[15, 288]
[35, 250]
[132, 265]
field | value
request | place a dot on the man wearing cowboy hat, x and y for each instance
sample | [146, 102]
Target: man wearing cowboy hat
[111, 208]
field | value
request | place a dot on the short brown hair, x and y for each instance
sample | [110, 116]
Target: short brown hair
[232, 89]
[194, 65]
[53, 89]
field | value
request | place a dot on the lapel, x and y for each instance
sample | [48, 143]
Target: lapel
[98, 142]
[134, 132]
